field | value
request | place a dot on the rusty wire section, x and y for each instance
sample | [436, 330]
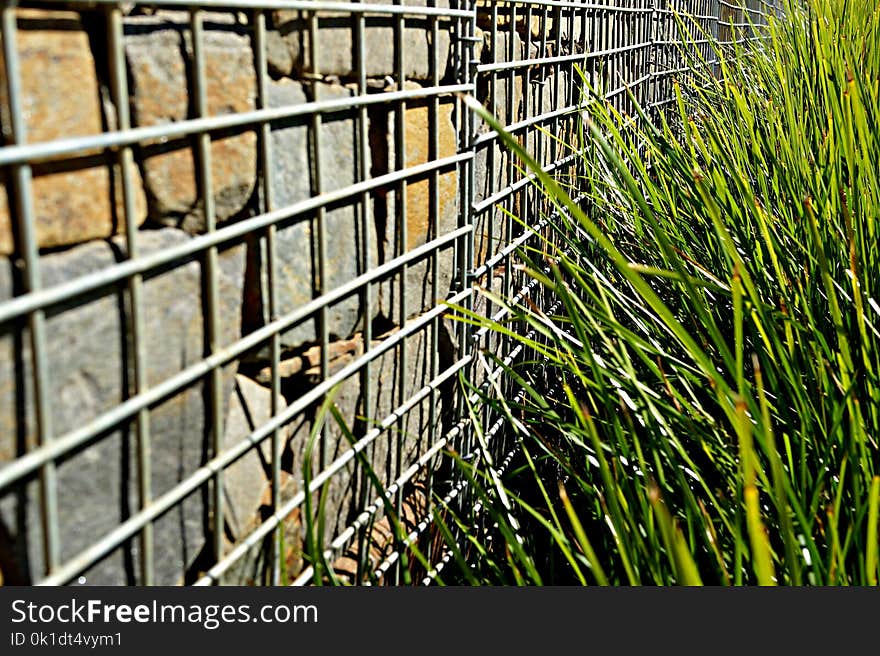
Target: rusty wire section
[220, 213]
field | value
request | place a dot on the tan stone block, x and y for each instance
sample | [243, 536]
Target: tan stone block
[80, 199]
[419, 215]
[536, 25]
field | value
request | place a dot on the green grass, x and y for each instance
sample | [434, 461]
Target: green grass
[708, 409]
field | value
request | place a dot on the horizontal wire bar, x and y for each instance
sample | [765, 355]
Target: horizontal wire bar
[503, 193]
[302, 5]
[35, 152]
[559, 59]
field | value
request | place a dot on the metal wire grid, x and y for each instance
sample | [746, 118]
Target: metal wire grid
[526, 73]
[35, 301]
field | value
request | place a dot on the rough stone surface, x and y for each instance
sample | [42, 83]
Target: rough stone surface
[420, 218]
[248, 479]
[278, 55]
[494, 167]
[255, 566]
[79, 199]
[310, 359]
[392, 380]
[535, 24]
[160, 59]
[336, 45]
[297, 240]
[86, 353]
[543, 147]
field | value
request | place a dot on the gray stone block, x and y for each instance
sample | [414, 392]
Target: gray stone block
[292, 179]
[88, 348]
[337, 46]
[255, 565]
[60, 98]
[247, 481]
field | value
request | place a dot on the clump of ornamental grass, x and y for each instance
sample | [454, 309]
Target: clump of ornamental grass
[707, 406]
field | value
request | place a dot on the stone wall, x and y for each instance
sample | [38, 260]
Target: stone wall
[79, 219]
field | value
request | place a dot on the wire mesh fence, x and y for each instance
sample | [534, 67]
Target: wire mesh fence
[219, 213]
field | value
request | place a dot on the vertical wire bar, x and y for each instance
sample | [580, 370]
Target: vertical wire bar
[403, 242]
[215, 381]
[366, 217]
[533, 203]
[27, 237]
[469, 77]
[494, 212]
[542, 74]
[487, 240]
[638, 63]
[120, 96]
[265, 160]
[631, 70]
[622, 58]
[662, 53]
[559, 123]
[648, 39]
[513, 114]
[466, 217]
[529, 105]
[645, 91]
[493, 152]
[505, 217]
[555, 147]
[614, 56]
[320, 222]
[434, 212]
[323, 328]
[659, 55]
[484, 241]
[649, 53]
[631, 73]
